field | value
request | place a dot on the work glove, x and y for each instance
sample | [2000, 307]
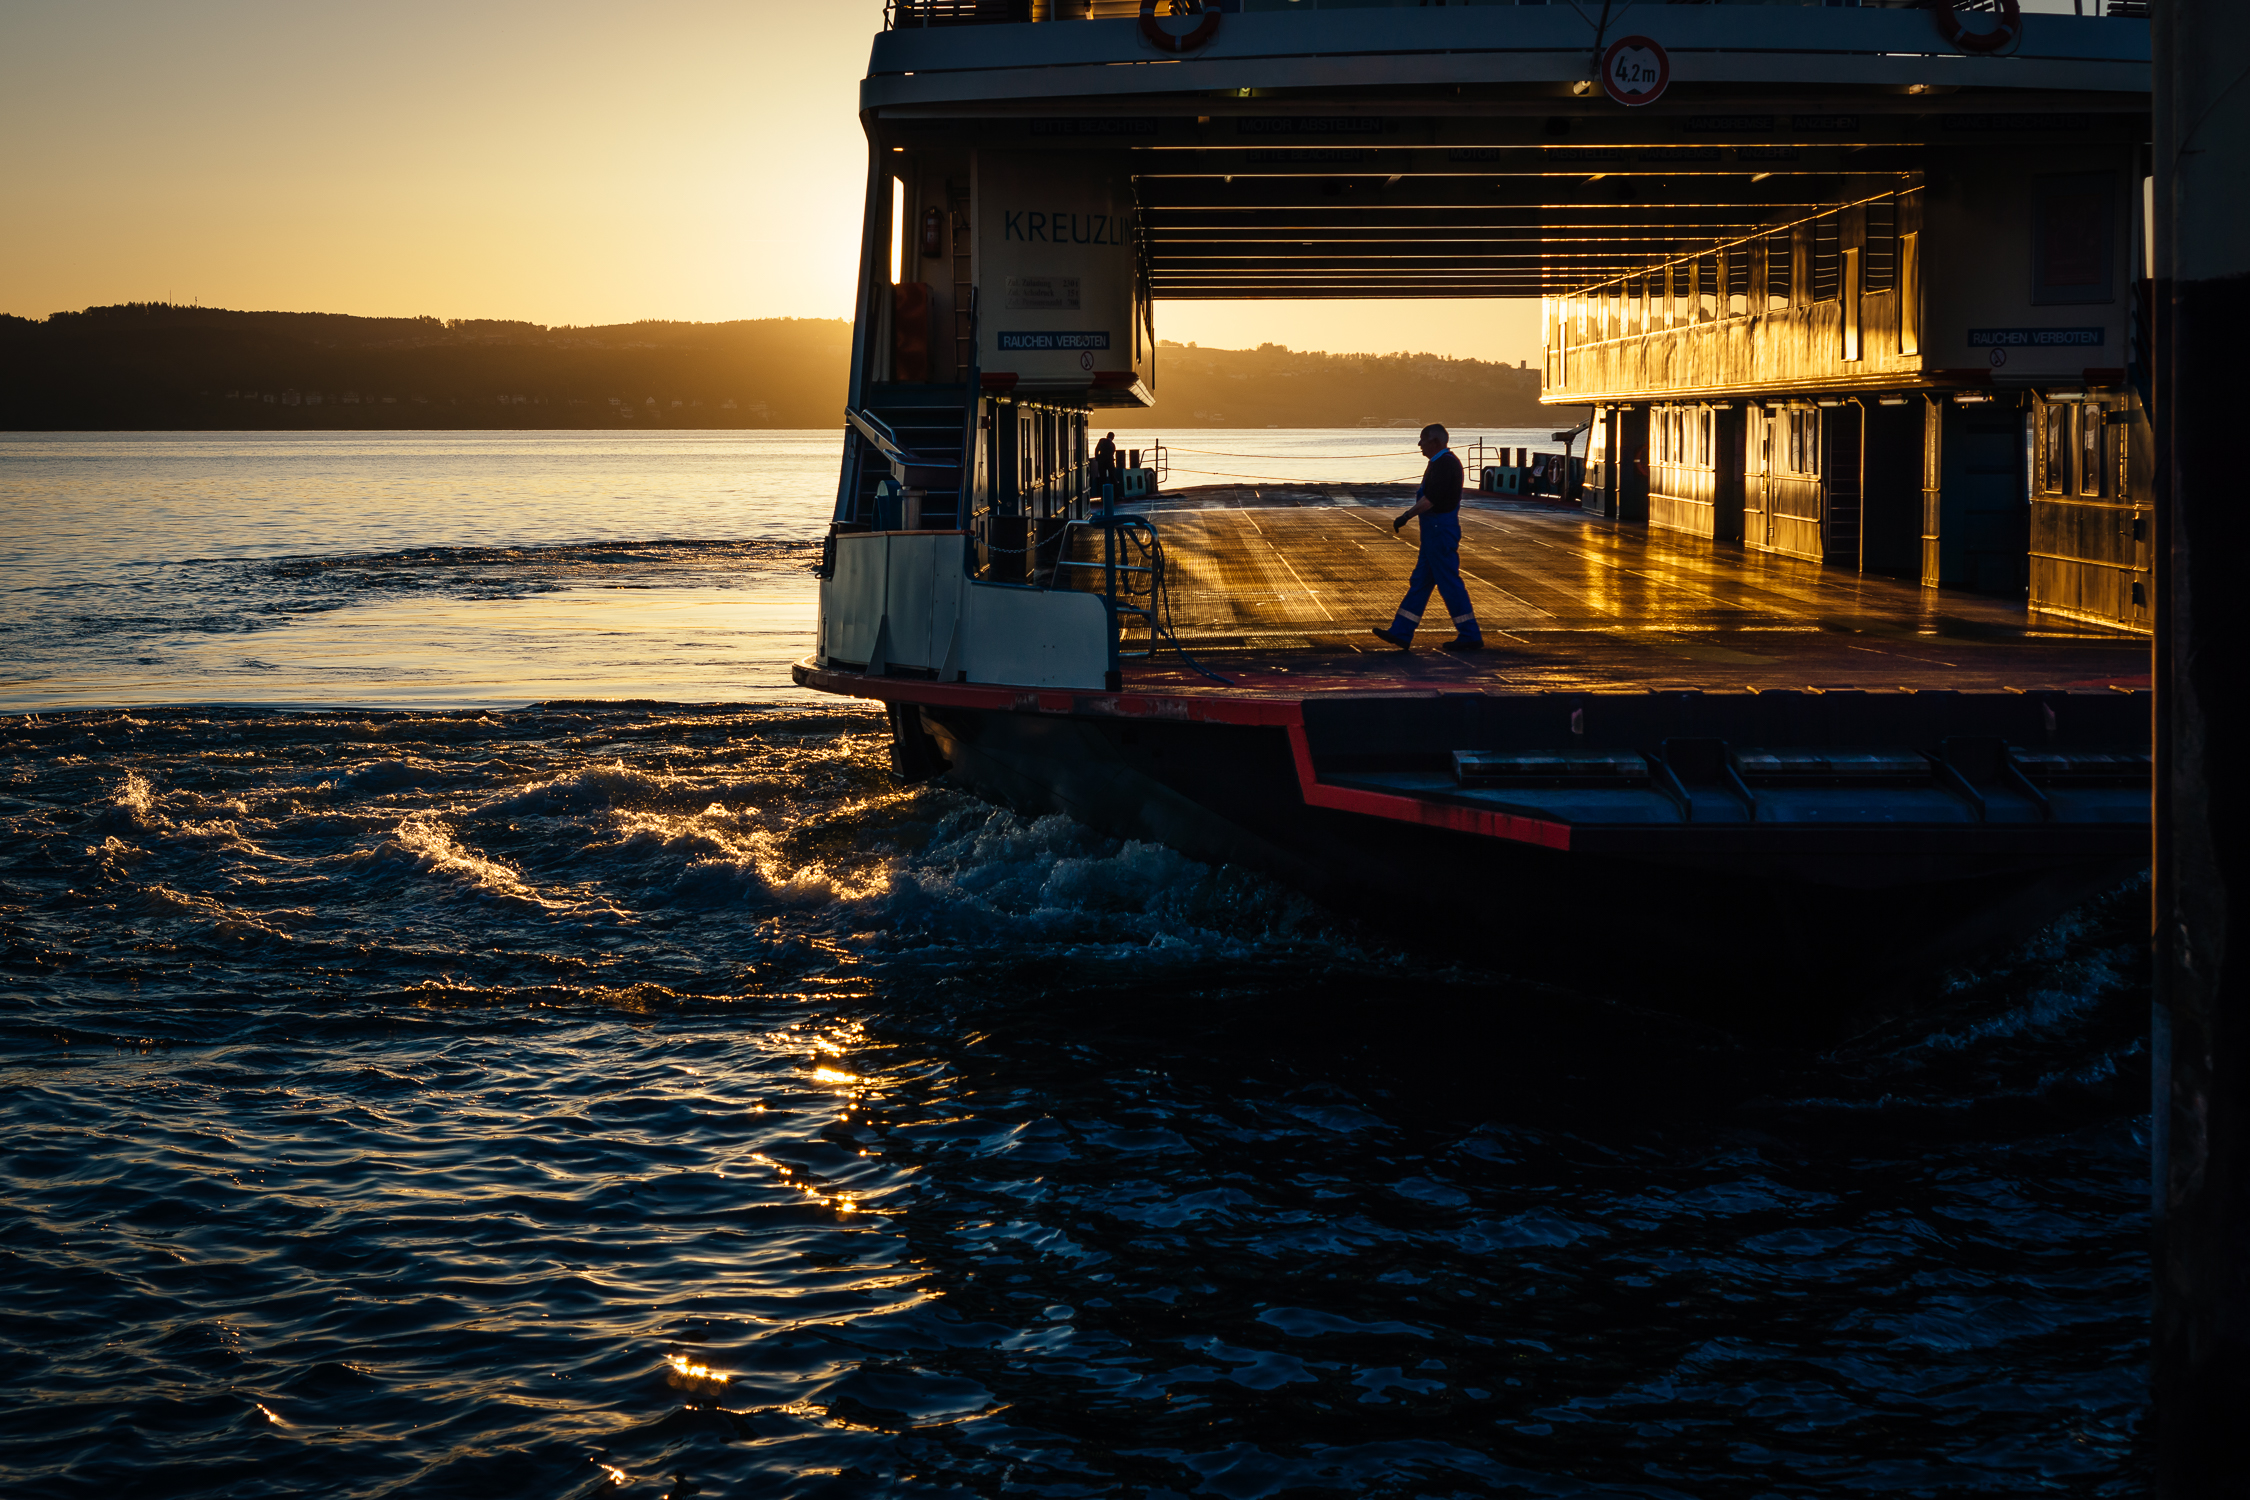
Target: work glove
[1400, 523]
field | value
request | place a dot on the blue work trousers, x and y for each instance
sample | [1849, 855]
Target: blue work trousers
[1438, 567]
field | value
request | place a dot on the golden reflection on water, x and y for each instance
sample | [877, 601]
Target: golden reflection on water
[689, 645]
[685, 1369]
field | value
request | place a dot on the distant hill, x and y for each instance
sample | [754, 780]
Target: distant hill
[1272, 386]
[155, 365]
[147, 365]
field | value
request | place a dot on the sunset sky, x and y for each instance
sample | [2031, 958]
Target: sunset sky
[561, 162]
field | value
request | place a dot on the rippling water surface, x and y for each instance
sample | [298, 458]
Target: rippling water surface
[588, 1098]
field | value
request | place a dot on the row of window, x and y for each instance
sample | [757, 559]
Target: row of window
[1682, 435]
[1788, 438]
[2064, 430]
[2074, 445]
[1765, 274]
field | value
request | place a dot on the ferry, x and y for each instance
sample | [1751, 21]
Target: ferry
[1833, 666]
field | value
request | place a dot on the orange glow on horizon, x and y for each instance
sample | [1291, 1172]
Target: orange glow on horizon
[563, 163]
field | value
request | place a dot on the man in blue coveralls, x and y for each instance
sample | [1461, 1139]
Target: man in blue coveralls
[1438, 503]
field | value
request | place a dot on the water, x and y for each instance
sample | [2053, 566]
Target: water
[447, 569]
[651, 1099]
[416, 569]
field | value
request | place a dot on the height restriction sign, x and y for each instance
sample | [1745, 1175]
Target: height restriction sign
[1635, 70]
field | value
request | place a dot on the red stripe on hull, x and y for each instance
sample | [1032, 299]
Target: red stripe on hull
[1282, 713]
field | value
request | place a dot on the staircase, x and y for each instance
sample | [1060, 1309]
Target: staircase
[927, 421]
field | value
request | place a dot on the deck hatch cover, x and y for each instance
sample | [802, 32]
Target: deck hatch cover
[1548, 767]
[1817, 766]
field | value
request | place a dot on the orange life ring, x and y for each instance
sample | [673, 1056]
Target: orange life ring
[1956, 35]
[1166, 41]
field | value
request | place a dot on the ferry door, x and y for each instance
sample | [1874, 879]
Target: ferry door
[1842, 428]
[1628, 463]
[1757, 463]
[1729, 442]
[1891, 489]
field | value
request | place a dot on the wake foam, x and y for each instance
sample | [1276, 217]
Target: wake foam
[989, 875]
[422, 845]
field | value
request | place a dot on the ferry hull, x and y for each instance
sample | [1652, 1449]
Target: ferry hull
[1808, 920]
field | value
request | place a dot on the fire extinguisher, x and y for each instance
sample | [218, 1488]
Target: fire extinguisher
[933, 232]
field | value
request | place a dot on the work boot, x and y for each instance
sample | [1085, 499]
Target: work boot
[1461, 645]
[1386, 637]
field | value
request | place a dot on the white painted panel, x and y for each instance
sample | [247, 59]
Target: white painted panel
[851, 603]
[926, 575]
[906, 608]
[949, 567]
[1034, 638]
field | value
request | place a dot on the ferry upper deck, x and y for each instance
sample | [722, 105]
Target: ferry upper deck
[1850, 291]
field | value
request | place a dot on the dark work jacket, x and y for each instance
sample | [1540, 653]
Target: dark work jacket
[1441, 483]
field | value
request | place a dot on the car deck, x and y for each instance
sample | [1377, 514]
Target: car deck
[1278, 587]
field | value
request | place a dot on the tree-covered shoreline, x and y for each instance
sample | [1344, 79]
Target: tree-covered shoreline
[145, 366]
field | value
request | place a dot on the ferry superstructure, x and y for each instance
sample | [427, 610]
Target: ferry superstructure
[1842, 646]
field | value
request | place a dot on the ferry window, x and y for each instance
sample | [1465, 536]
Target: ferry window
[1633, 293]
[1827, 258]
[2071, 236]
[2054, 449]
[1666, 293]
[898, 228]
[1879, 265]
[1910, 293]
[1781, 262]
[1851, 303]
[1738, 280]
[1801, 441]
[2090, 464]
[1706, 288]
[1703, 437]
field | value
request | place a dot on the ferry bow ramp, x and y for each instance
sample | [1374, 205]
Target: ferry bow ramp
[1824, 661]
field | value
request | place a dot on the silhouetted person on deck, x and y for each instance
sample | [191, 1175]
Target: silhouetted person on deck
[1105, 460]
[1438, 503]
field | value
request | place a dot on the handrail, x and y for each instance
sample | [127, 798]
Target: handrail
[878, 432]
